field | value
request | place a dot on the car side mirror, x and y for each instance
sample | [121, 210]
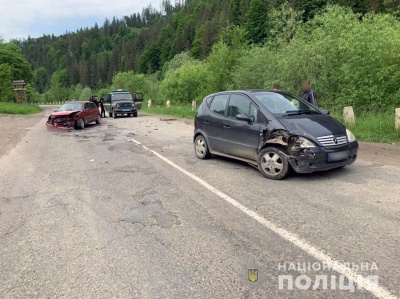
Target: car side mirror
[244, 117]
[327, 112]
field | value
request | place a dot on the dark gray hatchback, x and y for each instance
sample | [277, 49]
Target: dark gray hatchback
[276, 131]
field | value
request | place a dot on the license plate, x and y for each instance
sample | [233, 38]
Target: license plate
[332, 157]
[127, 110]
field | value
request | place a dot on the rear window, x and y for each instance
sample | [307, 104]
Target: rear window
[208, 101]
[200, 110]
[218, 104]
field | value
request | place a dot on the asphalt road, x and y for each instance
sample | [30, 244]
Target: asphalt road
[126, 210]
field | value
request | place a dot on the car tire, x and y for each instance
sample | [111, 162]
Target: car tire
[80, 123]
[135, 114]
[98, 120]
[114, 115]
[201, 148]
[110, 114]
[272, 163]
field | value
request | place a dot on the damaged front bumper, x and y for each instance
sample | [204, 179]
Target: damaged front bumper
[63, 125]
[323, 158]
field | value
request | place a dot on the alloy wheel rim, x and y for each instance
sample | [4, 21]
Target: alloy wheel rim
[272, 163]
[200, 147]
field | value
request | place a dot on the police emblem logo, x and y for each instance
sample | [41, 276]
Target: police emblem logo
[252, 275]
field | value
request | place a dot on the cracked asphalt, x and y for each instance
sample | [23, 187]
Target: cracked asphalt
[93, 214]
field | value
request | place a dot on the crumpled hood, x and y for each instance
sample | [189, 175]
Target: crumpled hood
[312, 125]
[63, 113]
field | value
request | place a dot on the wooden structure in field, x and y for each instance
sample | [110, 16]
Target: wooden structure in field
[20, 91]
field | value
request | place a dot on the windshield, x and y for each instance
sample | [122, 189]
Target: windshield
[284, 105]
[121, 97]
[71, 107]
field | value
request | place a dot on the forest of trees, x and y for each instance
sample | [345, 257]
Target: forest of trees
[192, 47]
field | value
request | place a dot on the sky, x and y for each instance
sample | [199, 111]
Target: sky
[23, 18]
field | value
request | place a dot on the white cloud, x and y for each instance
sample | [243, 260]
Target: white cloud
[22, 18]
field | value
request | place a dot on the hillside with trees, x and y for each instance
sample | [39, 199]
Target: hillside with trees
[191, 48]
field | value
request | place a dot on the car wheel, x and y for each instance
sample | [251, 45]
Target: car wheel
[114, 115]
[98, 120]
[80, 124]
[201, 148]
[135, 114]
[272, 163]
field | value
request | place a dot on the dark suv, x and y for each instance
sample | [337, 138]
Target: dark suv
[120, 102]
[275, 131]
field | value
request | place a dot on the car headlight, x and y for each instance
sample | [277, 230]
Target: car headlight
[305, 143]
[350, 136]
[302, 142]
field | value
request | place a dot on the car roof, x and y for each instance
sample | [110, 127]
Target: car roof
[247, 91]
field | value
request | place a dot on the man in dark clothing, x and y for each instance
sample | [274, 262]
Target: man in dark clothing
[96, 101]
[277, 87]
[103, 111]
[309, 94]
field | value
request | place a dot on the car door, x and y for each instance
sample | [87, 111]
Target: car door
[107, 102]
[215, 121]
[94, 111]
[86, 113]
[242, 138]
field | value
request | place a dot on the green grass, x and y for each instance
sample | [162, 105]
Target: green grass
[176, 111]
[13, 108]
[373, 127]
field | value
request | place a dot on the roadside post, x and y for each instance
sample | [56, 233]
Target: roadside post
[168, 103]
[348, 115]
[397, 119]
[193, 105]
[149, 103]
[20, 91]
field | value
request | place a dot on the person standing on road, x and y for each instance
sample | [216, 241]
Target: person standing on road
[277, 87]
[96, 101]
[309, 94]
[103, 111]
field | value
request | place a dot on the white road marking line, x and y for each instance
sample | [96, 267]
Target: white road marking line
[135, 141]
[379, 292]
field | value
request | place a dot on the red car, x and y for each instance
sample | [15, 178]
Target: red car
[74, 115]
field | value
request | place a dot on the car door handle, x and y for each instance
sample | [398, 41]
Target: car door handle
[226, 127]
[206, 122]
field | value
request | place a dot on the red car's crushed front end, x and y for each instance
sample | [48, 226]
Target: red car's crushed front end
[62, 119]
